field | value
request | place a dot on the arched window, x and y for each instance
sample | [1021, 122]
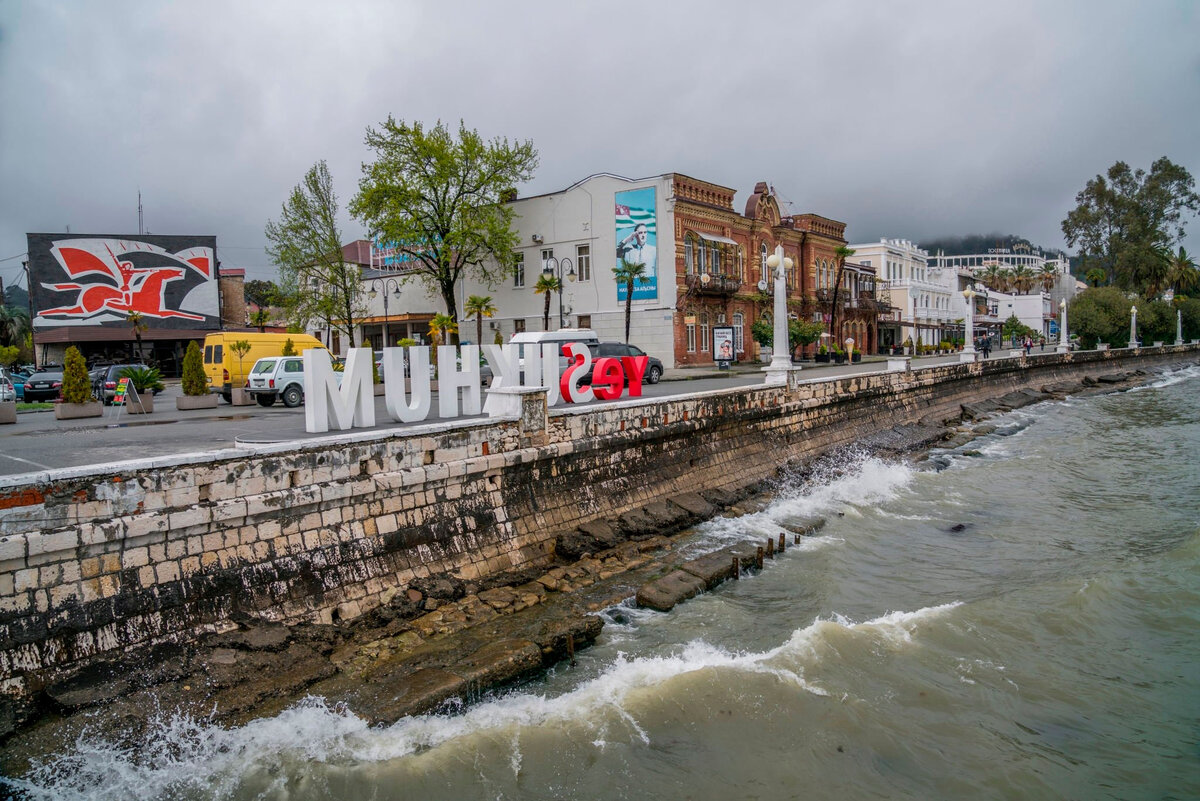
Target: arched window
[762, 261]
[741, 264]
[689, 255]
[739, 323]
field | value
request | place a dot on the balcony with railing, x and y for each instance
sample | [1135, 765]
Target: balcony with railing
[713, 284]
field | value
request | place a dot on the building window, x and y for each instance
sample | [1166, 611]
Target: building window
[739, 322]
[741, 264]
[714, 259]
[689, 255]
[762, 260]
[547, 255]
[583, 264]
[519, 325]
[704, 332]
[691, 337]
[700, 257]
[585, 321]
[519, 271]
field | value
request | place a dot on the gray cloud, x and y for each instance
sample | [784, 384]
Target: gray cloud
[902, 119]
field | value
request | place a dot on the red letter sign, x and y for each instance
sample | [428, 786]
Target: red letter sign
[607, 378]
[635, 368]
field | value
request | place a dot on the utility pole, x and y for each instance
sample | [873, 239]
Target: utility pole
[29, 286]
[141, 230]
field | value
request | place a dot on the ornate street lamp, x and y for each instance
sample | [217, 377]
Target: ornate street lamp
[373, 293]
[781, 359]
[968, 351]
[1064, 339]
[557, 272]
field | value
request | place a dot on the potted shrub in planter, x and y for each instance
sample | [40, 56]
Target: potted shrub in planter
[855, 356]
[195, 387]
[238, 395]
[908, 347]
[77, 398]
[822, 355]
[145, 381]
[839, 355]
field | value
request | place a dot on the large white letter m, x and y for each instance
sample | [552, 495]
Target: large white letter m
[326, 405]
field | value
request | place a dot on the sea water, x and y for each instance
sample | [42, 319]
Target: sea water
[1017, 618]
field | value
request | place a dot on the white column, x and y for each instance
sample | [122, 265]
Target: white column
[1064, 338]
[1178, 326]
[781, 358]
[1133, 326]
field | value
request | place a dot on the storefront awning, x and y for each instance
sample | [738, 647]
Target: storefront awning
[714, 238]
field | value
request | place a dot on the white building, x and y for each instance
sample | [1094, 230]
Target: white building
[926, 295]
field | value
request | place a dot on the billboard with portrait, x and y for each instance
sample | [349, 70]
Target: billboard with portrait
[637, 239]
[99, 279]
[723, 343]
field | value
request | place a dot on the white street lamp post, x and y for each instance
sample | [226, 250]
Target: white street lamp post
[1178, 326]
[968, 351]
[1133, 326]
[781, 359]
[1064, 338]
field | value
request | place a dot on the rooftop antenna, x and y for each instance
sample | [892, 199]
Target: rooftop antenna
[141, 230]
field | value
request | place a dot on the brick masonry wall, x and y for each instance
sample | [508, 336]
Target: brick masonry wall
[92, 562]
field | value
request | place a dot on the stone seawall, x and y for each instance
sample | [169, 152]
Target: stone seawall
[102, 560]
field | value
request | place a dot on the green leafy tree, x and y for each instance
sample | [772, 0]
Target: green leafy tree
[76, 386]
[762, 331]
[194, 382]
[479, 306]
[9, 355]
[240, 348]
[546, 286]
[627, 273]
[1156, 321]
[438, 198]
[260, 318]
[261, 293]
[1100, 314]
[1095, 276]
[1013, 328]
[289, 347]
[1189, 309]
[1123, 217]
[803, 332]
[1184, 276]
[318, 283]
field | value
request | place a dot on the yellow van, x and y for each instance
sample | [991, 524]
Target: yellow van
[226, 370]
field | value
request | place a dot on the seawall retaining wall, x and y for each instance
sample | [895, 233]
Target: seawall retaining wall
[101, 560]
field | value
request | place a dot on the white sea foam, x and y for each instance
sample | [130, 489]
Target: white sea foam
[184, 753]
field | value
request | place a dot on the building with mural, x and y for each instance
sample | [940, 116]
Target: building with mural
[110, 295]
[703, 264]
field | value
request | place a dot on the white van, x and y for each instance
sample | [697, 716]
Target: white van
[538, 338]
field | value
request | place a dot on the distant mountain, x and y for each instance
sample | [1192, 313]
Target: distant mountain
[983, 243]
[16, 297]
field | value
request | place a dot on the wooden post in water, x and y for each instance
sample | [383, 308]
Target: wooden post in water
[571, 648]
[770, 548]
[797, 540]
[737, 568]
[758, 558]
[782, 542]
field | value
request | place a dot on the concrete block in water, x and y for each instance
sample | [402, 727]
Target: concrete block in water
[663, 594]
[712, 569]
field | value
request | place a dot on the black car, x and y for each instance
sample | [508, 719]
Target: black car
[44, 385]
[654, 367]
[104, 382]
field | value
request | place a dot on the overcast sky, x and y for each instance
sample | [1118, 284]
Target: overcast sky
[903, 119]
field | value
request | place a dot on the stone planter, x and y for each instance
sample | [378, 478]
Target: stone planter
[146, 406]
[855, 358]
[379, 388]
[186, 402]
[821, 358]
[8, 412]
[73, 411]
[240, 397]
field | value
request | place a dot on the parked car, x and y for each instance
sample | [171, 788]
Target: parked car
[105, 380]
[654, 367]
[7, 392]
[44, 385]
[278, 377]
[17, 378]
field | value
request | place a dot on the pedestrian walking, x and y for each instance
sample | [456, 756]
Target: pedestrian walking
[1028, 345]
[987, 347]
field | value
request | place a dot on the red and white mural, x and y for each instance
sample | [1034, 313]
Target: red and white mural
[171, 281]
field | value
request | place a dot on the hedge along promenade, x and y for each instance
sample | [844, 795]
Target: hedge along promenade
[102, 560]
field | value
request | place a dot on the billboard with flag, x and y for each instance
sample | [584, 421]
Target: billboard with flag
[637, 240]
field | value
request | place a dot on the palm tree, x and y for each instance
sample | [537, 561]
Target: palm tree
[479, 306]
[1004, 280]
[135, 321]
[1049, 276]
[439, 327]
[991, 276]
[1023, 279]
[1158, 272]
[260, 318]
[1096, 276]
[1184, 274]
[842, 253]
[546, 285]
[14, 324]
[626, 273]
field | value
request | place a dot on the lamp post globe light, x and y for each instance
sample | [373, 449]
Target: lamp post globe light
[1133, 327]
[781, 360]
[968, 351]
[387, 283]
[1064, 339]
[556, 271]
